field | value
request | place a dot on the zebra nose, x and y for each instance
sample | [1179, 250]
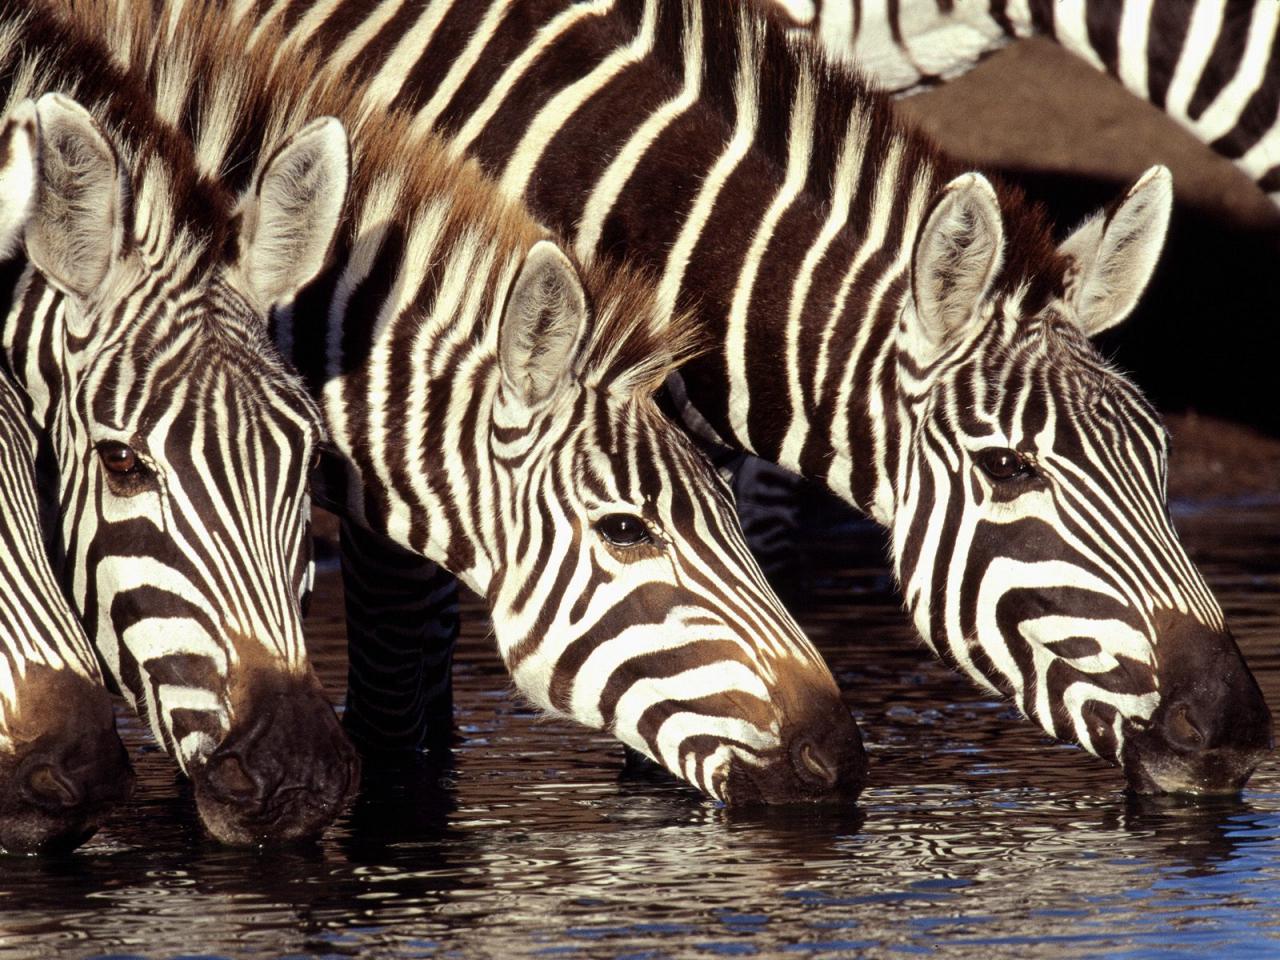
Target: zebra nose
[46, 784]
[1233, 716]
[826, 752]
[76, 772]
[283, 771]
[227, 776]
[1212, 727]
[813, 765]
[1181, 728]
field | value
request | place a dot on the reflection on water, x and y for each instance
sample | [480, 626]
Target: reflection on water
[979, 837]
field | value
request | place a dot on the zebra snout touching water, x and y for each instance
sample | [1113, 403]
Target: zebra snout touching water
[623, 594]
[1059, 579]
[182, 444]
[488, 406]
[1212, 727]
[61, 763]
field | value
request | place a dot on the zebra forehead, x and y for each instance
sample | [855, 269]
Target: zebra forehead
[1053, 351]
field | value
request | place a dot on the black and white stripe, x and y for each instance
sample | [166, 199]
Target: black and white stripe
[489, 407]
[180, 440]
[1211, 65]
[779, 199]
[61, 763]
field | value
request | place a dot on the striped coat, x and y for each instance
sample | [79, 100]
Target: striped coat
[489, 406]
[884, 323]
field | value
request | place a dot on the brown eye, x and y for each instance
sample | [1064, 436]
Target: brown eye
[118, 458]
[623, 530]
[1001, 463]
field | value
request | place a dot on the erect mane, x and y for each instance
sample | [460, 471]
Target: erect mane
[40, 53]
[782, 63]
[236, 89]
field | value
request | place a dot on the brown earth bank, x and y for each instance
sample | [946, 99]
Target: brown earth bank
[1213, 459]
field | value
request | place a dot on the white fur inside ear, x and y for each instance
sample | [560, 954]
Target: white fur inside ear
[1115, 256]
[76, 227]
[18, 171]
[958, 251]
[542, 325]
[290, 219]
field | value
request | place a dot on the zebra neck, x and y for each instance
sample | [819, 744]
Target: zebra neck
[780, 207]
[393, 344]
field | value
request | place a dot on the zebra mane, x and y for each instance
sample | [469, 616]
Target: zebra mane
[40, 53]
[783, 63]
[231, 91]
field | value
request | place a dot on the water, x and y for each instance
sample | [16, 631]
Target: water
[980, 838]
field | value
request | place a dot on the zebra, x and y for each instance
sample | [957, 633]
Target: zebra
[1212, 66]
[489, 406]
[180, 442]
[903, 331]
[62, 765]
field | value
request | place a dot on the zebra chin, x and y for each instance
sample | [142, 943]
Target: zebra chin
[69, 769]
[284, 771]
[1212, 726]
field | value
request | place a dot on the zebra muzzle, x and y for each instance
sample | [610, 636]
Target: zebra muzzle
[1212, 727]
[823, 761]
[59, 792]
[284, 771]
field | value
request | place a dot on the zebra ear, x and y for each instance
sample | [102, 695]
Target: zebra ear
[957, 253]
[19, 146]
[290, 219]
[542, 325]
[1115, 254]
[79, 221]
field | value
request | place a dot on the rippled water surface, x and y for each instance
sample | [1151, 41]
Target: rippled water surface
[978, 838]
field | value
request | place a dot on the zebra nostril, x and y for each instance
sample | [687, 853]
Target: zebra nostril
[1182, 730]
[812, 765]
[227, 776]
[50, 788]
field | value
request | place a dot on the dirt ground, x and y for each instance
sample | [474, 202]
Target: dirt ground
[1213, 459]
[1034, 106]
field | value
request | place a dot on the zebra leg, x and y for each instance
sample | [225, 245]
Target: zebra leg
[402, 623]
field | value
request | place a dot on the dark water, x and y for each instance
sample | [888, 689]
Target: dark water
[980, 838]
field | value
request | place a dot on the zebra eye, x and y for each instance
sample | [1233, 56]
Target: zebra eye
[1001, 463]
[118, 458]
[623, 530]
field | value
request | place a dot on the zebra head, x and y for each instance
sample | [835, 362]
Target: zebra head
[624, 595]
[61, 763]
[1032, 537]
[183, 447]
